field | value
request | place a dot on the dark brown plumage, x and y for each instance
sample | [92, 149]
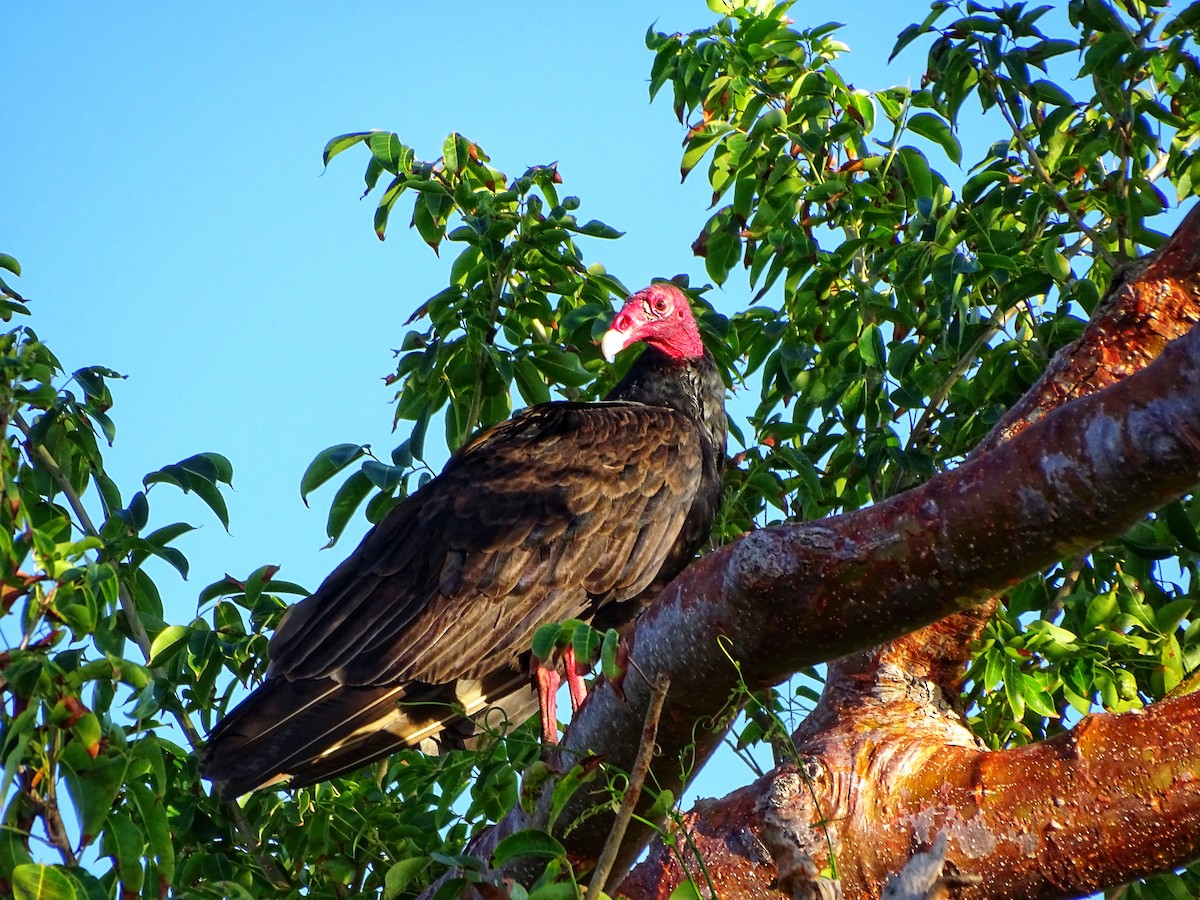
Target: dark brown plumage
[567, 510]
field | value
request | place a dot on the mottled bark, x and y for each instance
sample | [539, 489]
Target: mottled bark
[886, 761]
[1116, 798]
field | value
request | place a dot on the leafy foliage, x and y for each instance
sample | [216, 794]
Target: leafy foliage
[910, 281]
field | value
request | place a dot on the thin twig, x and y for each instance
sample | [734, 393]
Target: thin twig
[55, 830]
[1070, 579]
[477, 396]
[268, 864]
[637, 777]
[127, 605]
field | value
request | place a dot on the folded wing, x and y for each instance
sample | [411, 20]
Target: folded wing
[562, 510]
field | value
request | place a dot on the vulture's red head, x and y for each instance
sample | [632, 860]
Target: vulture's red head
[659, 316]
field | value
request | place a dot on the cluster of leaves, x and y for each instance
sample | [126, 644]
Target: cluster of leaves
[521, 308]
[918, 305]
[1112, 630]
[892, 288]
[80, 720]
[99, 693]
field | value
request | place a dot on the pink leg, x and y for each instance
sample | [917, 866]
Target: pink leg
[575, 675]
[547, 681]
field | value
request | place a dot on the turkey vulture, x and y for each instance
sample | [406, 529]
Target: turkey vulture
[566, 510]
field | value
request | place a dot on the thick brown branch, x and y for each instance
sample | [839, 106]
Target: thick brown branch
[1114, 799]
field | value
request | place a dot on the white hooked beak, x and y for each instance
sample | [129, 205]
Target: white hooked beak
[613, 343]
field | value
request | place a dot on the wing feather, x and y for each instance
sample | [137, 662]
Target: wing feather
[529, 523]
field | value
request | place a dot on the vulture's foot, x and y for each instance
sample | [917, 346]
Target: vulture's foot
[547, 680]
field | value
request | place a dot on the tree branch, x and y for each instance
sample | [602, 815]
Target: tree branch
[1150, 306]
[1112, 800]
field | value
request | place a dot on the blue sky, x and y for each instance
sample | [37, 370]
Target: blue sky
[163, 190]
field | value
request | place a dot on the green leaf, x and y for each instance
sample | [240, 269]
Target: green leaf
[171, 474]
[258, 581]
[13, 853]
[702, 143]
[37, 882]
[8, 262]
[343, 142]
[426, 221]
[686, 890]
[401, 874]
[531, 842]
[416, 438]
[530, 383]
[545, 639]
[383, 476]
[166, 644]
[386, 150]
[160, 537]
[936, 129]
[211, 495]
[209, 466]
[608, 654]
[1014, 691]
[871, 348]
[597, 229]
[557, 890]
[1036, 698]
[560, 367]
[662, 806]
[917, 169]
[456, 152]
[384, 210]
[1180, 526]
[93, 785]
[327, 464]
[158, 831]
[1056, 264]
[348, 498]
[1169, 616]
[585, 643]
[17, 736]
[137, 514]
[124, 843]
[1049, 92]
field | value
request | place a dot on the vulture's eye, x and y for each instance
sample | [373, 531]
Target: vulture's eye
[660, 305]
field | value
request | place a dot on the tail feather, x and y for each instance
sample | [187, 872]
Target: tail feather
[310, 730]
